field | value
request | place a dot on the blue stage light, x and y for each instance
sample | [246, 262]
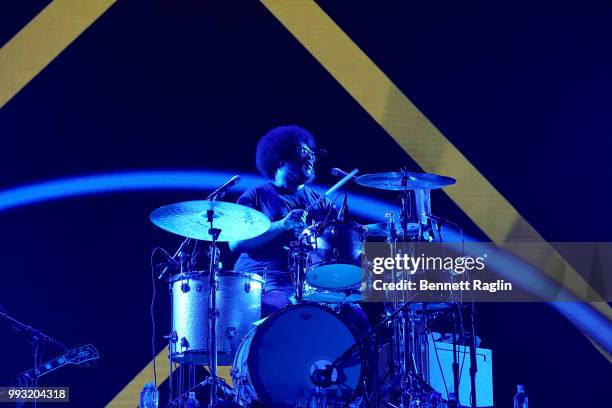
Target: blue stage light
[582, 315]
[200, 180]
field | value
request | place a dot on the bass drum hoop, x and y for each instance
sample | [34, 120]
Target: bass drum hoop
[255, 341]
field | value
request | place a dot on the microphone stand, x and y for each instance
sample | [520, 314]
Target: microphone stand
[473, 362]
[35, 335]
[37, 339]
[212, 309]
[178, 254]
[323, 376]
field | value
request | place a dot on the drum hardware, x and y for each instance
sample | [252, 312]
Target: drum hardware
[325, 266]
[173, 337]
[408, 319]
[298, 259]
[296, 340]
[172, 262]
[300, 251]
[220, 192]
[334, 258]
[211, 221]
[212, 306]
[390, 230]
[322, 377]
[333, 188]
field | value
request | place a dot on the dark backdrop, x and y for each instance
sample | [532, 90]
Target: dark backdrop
[521, 88]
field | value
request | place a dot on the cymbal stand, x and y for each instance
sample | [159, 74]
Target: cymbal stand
[298, 258]
[186, 265]
[409, 340]
[212, 309]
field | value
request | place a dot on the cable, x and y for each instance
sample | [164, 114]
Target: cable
[331, 207]
[35, 384]
[152, 311]
[439, 363]
[460, 300]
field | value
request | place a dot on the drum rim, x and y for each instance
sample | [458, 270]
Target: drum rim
[199, 274]
[255, 381]
[355, 225]
[327, 263]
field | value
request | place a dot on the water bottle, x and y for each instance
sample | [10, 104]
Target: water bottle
[149, 396]
[452, 402]
[520, 399]
[301, 401]
[191, 401]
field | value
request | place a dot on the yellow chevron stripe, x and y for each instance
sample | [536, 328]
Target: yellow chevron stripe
[393, 111]
[43, 39]
[130, 394]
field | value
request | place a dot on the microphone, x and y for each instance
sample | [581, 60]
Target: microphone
[175, 261]
[441, 221]
[221, 190]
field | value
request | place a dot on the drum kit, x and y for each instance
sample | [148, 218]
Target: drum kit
[321, 350]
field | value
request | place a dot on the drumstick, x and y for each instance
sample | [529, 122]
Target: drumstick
[333, 188]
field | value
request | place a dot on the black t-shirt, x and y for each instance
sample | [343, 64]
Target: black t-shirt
[271, 259]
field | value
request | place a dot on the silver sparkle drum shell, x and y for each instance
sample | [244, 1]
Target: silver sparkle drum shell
[238, 305]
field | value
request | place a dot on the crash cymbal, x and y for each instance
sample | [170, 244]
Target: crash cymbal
[189, 219]
[397, 181]
[381, 229]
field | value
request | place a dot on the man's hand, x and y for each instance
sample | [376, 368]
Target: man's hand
[296, 219]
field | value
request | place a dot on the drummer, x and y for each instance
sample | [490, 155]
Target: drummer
[286, 155]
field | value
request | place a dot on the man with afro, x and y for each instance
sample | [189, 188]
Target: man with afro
[286, 155]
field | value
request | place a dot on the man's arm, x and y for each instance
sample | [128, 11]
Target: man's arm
[295, 219]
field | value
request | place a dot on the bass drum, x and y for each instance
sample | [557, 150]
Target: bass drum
[275, 361]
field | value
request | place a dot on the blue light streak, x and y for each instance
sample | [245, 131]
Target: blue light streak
[199, 180]
[582, 315]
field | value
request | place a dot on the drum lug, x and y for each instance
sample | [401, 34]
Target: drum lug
[232, 332]
[185, 287]
[247, 287]
[173, 337]
[335, 255]
[184, 343]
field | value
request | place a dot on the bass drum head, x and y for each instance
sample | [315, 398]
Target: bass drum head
[290, 345]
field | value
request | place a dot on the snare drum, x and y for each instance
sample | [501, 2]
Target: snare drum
[334, 263]
[331, 297]
[238, 303]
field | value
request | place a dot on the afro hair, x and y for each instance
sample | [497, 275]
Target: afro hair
[278, 145]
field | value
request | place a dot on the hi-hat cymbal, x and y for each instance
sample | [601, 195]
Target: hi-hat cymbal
[397, 181]
[381, 229]
[189, 219]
